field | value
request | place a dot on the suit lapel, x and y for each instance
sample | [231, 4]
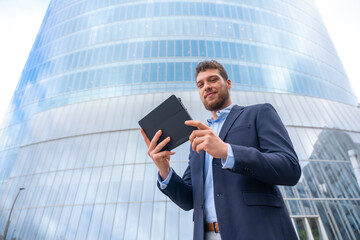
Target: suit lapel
[233, 115]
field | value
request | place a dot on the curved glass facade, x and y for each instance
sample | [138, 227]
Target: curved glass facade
[71, 137]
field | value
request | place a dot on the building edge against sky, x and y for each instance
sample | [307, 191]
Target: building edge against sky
[71, 137]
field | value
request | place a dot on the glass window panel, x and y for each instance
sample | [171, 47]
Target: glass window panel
[225, 49]
[162, 48]
[129, 73]
[63, 187]
[145, 72]
[93, 186]
[233, 50]
[202, 48]
[107, 222]
[47, 188]
[210, 49]
[119, 221]
[179, 72]
[212, 9]
[179, 47]
[26, 228]
[103, 185]
[314, 228]
[162, 71]
[301, 118]
[164, 9]
[199, 8]
[236, 76]
[144, 228]
[112, 143]
[154, 49]
[186, 48]
[186, 225]
[217, 47]
[158, 221]
[147, 48]
[170, 71]
[54, 220]
[172, 221]
[96, 218]
[157, 9]
[206, 9]
[132, 220]
[136, 50]
[186, 10]
[153, 71]
[244, 75]
[36, 222]
[114, 184]
[178, 8]
[229, 71]
[253, 75]
[83, 185]
[137, 73]
[150, 177]
[84, 222]
[73, 222]
[194, 48]
[121, 147]
[188, 72]
[220, 10]
[171, 8]
[170, 48]
[126, 183]
[138, 183]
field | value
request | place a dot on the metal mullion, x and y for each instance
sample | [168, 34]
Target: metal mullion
[308, 230]
[332, 221]
[322, 229]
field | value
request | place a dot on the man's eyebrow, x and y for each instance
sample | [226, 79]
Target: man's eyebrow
[212, 76]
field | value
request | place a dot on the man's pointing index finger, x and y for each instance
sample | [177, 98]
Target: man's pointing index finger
[197, 124]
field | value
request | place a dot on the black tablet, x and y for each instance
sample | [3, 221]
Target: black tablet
[169, 116]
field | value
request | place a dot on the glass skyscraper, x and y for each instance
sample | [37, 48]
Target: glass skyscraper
[71, 137]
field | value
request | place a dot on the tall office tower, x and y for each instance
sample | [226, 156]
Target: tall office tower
[71, 137]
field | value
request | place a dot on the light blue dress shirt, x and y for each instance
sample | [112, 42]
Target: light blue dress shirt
[228, 163]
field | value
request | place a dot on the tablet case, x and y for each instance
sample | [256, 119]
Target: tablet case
[169, 116]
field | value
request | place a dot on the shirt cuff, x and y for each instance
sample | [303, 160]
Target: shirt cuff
[229, 162]
[163, 183]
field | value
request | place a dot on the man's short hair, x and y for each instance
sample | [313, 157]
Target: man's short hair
[205, 65]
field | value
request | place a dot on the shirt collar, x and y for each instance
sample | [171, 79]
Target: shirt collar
[222, 114]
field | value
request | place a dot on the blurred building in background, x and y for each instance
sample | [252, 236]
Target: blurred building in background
[71, 137]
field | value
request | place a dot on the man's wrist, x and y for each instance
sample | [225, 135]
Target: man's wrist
[164, 173]
[163, 183]
[225, 151]
[229, 161]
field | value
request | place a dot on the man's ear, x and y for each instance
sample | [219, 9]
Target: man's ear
[229, 85]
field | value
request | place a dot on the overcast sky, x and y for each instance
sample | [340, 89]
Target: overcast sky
[20, 21]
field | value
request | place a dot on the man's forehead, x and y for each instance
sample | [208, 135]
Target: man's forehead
[207, 74]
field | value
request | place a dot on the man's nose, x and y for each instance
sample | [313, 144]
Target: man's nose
[207, 86]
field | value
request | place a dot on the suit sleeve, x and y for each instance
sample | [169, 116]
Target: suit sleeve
[275, 161]
[179, 190]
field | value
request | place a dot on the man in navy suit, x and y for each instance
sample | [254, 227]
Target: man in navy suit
[235, 163]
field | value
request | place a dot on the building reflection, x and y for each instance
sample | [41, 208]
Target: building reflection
[329, 186]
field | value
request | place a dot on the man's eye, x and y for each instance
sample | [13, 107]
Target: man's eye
[200, 85]
[213, 80]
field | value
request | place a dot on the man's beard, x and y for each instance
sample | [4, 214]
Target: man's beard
[219, 104]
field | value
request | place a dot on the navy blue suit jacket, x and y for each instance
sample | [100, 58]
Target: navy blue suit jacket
[248, 204]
